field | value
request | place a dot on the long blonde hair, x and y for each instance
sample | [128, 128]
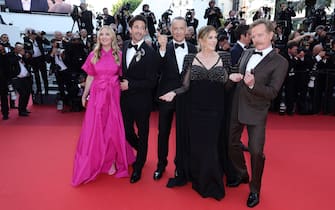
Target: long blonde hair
[115, 47]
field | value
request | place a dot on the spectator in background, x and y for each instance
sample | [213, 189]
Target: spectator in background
[151, 19]
[4, 80]
[21, 76]
[108, 19]
[34, 47]
[86, 18]
[213, 14]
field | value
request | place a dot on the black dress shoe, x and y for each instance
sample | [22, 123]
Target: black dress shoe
[135, 177]
[5, 117]
[28, 111]
[23, 114]
[253, 199]
[158, 174]
[236, 182]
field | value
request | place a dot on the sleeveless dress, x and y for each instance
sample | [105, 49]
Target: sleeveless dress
[205, 89]
[102, 146]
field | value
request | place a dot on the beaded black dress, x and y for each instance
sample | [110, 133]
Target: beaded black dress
[205, 113]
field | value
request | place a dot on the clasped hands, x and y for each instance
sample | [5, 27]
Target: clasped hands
[248, 78]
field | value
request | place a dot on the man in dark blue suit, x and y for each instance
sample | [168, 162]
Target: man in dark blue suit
[27, 5]
[242, 43]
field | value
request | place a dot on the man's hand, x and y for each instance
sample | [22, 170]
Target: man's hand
[162, 40]
[124, 85]
[249, 79]
[168, 96]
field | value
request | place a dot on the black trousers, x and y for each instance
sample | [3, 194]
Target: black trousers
[38, 65]
[138, 114]
[166, 112]
[256, 134]
[23, 87]
[4, 101]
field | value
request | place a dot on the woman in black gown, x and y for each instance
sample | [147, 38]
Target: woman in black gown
[205, 76]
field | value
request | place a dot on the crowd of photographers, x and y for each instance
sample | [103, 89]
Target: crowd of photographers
[308, 89]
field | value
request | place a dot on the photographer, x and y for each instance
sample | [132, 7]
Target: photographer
[164, 24]
[33, 45]
[285, 18]
[191, 20]
[108, 19]
[123, 17]
[85, 18]
[151, 19]
[213, 14]
[63, 75]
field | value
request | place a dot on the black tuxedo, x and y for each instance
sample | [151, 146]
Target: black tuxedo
[4, 80]
[170, 79]
[136, 102]
[250, 108]
[38, 63]
[22, 85]
[36, 5]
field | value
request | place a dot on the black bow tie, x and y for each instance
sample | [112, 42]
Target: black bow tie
[259, 53]
[135, 46]
[176, 45]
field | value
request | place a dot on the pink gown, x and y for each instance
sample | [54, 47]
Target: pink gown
[102, 141]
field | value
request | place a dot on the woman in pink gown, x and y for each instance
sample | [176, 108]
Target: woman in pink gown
[102, 146]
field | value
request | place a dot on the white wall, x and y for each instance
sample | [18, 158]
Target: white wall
[39, 22]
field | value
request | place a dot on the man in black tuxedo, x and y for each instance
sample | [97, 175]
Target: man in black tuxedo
[262, 72]
[34, 47]
[4, 80]
[27, 5]
[85, 18]
[171, 65]
[290, 83]
[21, 76]
[139, 67]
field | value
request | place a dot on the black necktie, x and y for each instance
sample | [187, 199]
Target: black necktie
[176, 45]
[259, 53]
[135, 46]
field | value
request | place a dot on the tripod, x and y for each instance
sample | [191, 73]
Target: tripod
[74, 21]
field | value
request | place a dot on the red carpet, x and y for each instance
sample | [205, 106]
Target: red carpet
[36, 155]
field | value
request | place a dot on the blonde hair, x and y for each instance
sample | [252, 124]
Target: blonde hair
[204, 32]
[115, 47]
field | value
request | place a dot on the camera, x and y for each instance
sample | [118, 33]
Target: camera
[165, 22]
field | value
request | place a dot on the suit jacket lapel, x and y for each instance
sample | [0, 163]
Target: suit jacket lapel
[244, 61]
[124, 56]
[170, 49]
[265, 60]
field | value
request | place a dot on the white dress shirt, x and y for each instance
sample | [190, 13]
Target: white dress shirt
[23, 70]
[242, 45]
[26, 4]
[131, 52]
[255, 59]
[60, 63]
[180, 54]
[37, 51]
